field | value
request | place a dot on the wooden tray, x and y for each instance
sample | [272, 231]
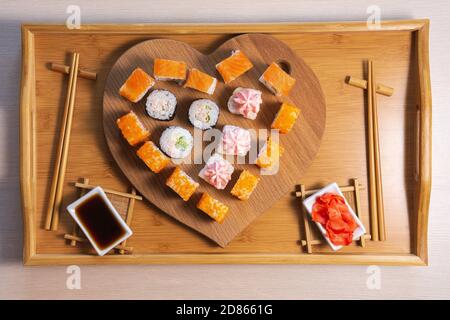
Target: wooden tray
[301, 144]
[332, 50]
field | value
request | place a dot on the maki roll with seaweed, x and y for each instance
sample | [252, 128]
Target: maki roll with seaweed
[161, 105]
[176, 142]
[203, 114]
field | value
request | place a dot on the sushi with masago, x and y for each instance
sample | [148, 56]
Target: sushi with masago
[245, 185]
[132, 128]
[153, 157]
[269, 155]
[212, 207]
[285, 118]
[182, 184]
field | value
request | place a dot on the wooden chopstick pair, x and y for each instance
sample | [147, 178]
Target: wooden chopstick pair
[52, 218]
[376, 189]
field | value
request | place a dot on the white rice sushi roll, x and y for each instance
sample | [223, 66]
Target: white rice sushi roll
[161, 105]
[203, 114]
[176, 142]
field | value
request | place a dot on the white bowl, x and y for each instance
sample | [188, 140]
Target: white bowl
[333, 188]
[98, 190]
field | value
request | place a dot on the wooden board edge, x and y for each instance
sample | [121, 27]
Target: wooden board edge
[27, 144]
[341, 259]
[425, 142]
[224, 28]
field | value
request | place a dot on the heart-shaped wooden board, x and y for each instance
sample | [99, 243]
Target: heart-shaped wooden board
[301, 144]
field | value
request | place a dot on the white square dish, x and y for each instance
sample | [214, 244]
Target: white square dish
[72, 211]
[333, 188]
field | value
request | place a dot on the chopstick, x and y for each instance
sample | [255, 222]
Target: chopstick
[68, 128]
[52, 218]
[378, 180]
[372, 173]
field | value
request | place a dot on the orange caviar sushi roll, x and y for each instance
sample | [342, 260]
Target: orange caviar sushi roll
[132, 128]
[277, 80]
[166, 70]
[212, 207]
[182, 184]
[245, 185]
[153, 157]
[285, 118]
[137, 85]
[234, 66]
[200, 81]
[270, 154]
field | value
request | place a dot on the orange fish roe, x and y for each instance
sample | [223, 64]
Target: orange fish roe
[245, 185]
[153, 157]
[164, 69]
[137, 85]
[234, 66]
[270, 154]
[212, 207]
[182, 184]
[285, 118]
[277, 80]
[200, 81]
[132, 128]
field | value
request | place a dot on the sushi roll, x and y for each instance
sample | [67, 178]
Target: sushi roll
[217, 172]
[169, 70]
[246, 102]
[245, 185]
[269, 155]
[285, 118]
[161, 105]
[137, 85]
[277, 80]
[176, 142]
[132, 128]
[200, 81]
[153, 157]
[234, 141]
[234, 66]
[212, 207]
[203, 114]
[182, 184]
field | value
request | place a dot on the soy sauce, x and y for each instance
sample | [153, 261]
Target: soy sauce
[99, 221]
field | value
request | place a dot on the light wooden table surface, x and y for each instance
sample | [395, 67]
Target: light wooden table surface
[221, 281]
